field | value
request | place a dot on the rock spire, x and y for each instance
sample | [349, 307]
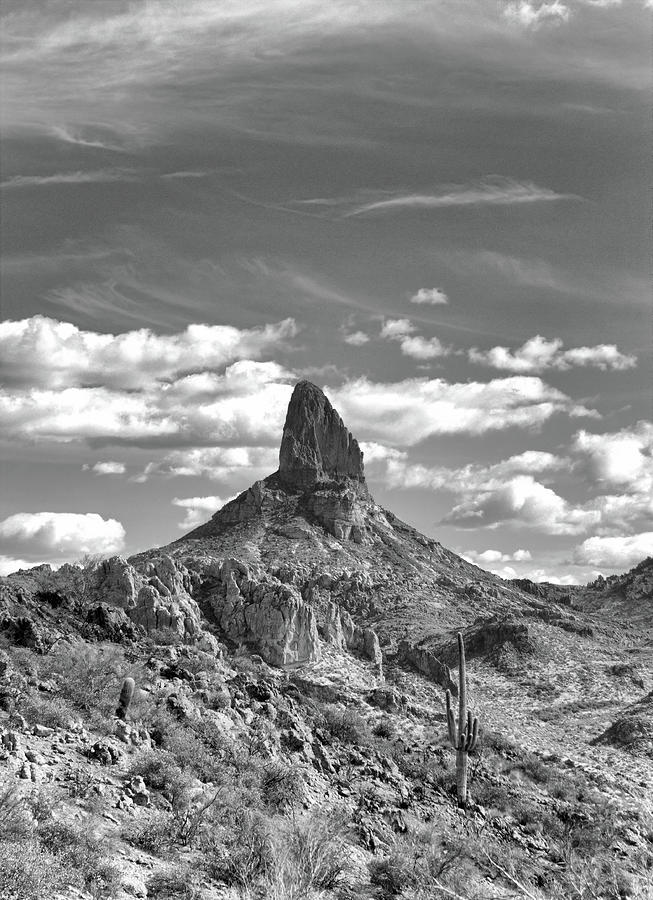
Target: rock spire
[316, 446]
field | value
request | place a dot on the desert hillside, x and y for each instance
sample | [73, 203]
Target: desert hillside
[257, 710]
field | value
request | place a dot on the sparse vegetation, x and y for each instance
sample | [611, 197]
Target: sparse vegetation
[271, 793]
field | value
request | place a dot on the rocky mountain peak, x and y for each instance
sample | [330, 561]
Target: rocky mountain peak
[316, 445]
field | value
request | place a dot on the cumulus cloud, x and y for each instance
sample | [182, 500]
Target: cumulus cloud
[393, 466]
[431, 296]
[422, 348]
[9, 564]
[535, 15]
[198, 509]
[407, 412]
[620, 552]
[216, 463]
[356, 338]
[243, 405]
[490, 557]
[623, 458]
[521, 500]
[61, 536]
[44, 351]
[539, 575]
[538, 354]
[108, 467]
[402, 331]
[508, 493]
[395, 329]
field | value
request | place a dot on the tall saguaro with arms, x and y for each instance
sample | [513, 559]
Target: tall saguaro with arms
[464, 734]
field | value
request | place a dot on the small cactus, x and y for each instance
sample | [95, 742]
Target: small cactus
[126, 697]
[464, 735]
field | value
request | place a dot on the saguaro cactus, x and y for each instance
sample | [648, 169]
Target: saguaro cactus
[126, 696]
[464, 735]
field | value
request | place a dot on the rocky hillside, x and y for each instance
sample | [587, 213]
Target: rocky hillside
[284, 735]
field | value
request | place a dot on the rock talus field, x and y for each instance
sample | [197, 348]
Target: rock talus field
[285, 734]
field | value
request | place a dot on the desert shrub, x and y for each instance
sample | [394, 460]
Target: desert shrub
[155, 835]
[196, 661]
[81, 854]
[494, 795]
[390, 873]
[47, 709]
[282, 786]
[560, 788]
[40, 804]
[347, 725]
[90, 677]
[496, 742]
[180, 883]
[533, 767]
[27, 872]
[242, 851]
[159, 771]
[421, 859]
[310, 855]
[385, 728]
[15, 819]
[190, 752]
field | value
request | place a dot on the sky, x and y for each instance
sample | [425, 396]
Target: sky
[436, 210]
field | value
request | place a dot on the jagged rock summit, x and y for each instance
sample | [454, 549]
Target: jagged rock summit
[320, 466]
[316, 445]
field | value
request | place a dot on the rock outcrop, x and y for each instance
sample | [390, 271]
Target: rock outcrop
[157, 598]
[316, 446]
[320, 476]
[633, 731]
[265, 612]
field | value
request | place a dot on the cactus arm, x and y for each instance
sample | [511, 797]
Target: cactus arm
[474, 735]
[451, 723]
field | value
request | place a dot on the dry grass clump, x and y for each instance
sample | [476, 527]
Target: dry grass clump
[178, 883]
[39, 855]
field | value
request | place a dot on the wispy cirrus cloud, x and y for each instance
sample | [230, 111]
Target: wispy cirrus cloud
[87, 137]
[491, 191]
[97, 176]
